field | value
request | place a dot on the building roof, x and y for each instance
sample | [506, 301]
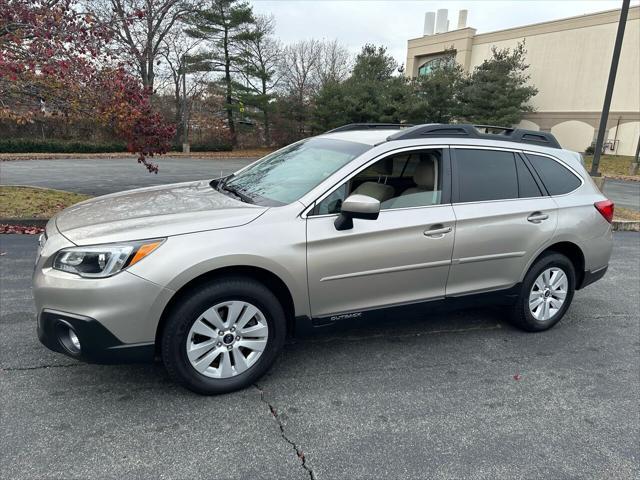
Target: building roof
[558, 24]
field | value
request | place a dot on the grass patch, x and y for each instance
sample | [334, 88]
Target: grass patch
[28, 202]
[610, 164]
[620, 213]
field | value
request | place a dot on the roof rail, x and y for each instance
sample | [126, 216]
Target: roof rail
[493, 128]
[368, 126]
[518, 135]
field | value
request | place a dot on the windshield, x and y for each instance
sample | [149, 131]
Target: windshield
[288, 174]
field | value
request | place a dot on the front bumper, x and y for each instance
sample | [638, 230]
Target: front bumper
[115, 318]
[96, 343]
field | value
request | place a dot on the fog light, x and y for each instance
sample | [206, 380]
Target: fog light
[68, 337]
[74, 339]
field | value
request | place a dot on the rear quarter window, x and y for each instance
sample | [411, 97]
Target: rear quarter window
[557, 179]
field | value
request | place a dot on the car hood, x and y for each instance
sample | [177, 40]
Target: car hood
[153, 212]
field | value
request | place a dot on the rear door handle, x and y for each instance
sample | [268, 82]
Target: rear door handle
[437, 231]
[537, 217]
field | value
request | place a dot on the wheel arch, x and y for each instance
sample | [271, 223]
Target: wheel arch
[570, 250]
[269, 279]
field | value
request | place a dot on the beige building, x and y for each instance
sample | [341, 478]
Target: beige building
[569, 65]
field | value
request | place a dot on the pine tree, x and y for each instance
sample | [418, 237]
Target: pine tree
[260, 57]
[223, 26]
[497, 92]
[435, 96]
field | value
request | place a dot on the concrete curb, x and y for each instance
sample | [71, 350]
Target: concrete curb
[626, 226]
[624, 178]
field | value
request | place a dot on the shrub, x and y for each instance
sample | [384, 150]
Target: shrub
[589, 150]
[31, 145]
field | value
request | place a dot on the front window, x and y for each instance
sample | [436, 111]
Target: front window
[404, 180]
[288, 174]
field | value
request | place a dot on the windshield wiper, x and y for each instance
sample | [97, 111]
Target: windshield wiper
[234, 191]
[218, 183]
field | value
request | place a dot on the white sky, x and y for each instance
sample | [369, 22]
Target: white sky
[393, 22]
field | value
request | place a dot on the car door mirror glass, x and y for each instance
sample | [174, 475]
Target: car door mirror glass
[357, 206]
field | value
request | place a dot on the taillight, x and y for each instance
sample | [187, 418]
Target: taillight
[605, 207]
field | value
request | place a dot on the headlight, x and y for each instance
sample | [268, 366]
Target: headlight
[101, 261]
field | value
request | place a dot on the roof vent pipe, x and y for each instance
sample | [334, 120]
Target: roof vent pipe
[429, 23]
[441, 20]
[462, 19]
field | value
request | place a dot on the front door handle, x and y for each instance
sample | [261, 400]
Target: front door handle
[437, 231]
[537, 217]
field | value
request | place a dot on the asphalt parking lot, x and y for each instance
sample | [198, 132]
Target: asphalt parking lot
[107, 175]
[442, 395]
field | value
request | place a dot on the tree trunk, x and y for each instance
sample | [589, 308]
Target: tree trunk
[267, 128]
[229, 98]
[150, 73]
[179, 111]
[265, 114]
[144, 74]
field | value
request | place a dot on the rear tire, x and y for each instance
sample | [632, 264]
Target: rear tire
[223, 336]
[546, 293]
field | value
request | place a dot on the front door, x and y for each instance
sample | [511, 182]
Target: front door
[403, 256]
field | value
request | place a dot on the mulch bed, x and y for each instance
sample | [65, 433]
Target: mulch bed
[21, 229]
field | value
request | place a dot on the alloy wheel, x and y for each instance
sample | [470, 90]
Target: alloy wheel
[548, 293]
[227, 339]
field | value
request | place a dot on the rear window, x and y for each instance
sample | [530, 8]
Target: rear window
[486, 175]
[527, 186]
[556, 178]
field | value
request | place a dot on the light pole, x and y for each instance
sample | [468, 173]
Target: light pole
[609, 92]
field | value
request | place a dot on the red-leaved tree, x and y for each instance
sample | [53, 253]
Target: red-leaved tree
[53, 62]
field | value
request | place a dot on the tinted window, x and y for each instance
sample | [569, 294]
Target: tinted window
[399, 181]
[527, 186]
[486, 175]
[555, 177]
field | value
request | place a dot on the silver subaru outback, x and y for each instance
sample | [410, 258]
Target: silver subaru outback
[212, 276]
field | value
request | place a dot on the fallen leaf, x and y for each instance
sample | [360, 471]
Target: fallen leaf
[21, 229]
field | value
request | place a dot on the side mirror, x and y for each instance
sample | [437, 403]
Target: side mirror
[357, 206]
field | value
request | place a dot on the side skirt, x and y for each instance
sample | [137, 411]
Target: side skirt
[305, 325]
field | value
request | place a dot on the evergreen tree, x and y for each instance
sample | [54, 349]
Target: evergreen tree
[435, 97]
[260, 57]
[329, 107]
[371, 94]
[223, 26]
[497, 91]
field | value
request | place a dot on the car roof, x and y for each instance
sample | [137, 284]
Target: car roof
[368, 137]
[379, 136]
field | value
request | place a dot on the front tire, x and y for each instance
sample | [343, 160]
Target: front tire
[223, 336]
[546, 293]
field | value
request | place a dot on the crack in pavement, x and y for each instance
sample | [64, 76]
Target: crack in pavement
[38, 367]
[295, 447]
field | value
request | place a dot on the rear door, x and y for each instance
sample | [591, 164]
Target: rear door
[502, 219]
